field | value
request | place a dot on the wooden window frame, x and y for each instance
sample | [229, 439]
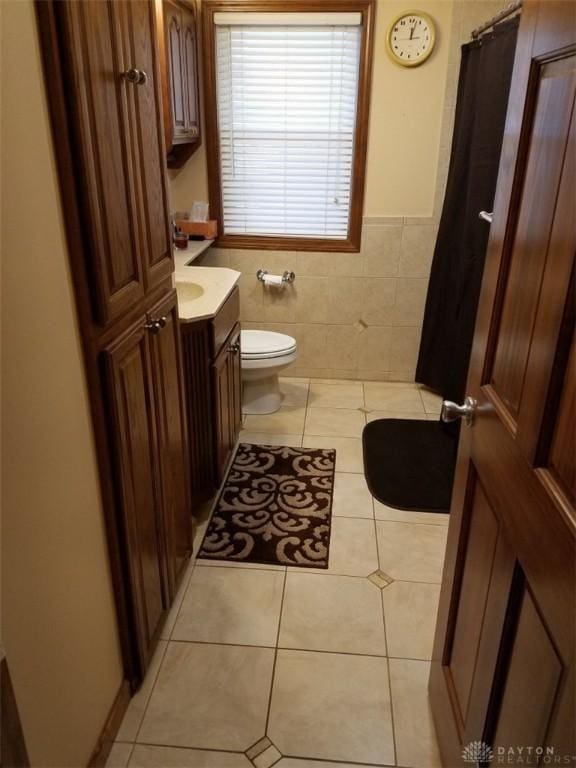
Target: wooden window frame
[367, 8]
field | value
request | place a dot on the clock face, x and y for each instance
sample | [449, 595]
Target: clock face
[411, 38]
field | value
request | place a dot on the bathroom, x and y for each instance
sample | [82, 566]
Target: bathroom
[388, 610]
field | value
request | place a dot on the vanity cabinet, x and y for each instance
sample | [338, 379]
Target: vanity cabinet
[104, 91]
[212, 370]
[179, 65]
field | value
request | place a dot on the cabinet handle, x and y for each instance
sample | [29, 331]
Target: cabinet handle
[155, 325]
[234, 348]
[135, 76]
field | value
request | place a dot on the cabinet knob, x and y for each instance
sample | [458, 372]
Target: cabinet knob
[135, 76]
[153, 327]
[234, 348]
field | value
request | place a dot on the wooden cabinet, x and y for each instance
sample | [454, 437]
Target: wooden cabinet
[212, 356]
[146, 406]
[117, 144]
[179, 63]
[104, 88]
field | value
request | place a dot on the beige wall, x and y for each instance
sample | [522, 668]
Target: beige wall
[59, 626]
[360, 315]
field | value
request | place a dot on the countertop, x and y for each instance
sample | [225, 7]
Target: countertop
[194, 249]
[216, 284]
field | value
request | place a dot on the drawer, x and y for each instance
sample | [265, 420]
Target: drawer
[224, 322]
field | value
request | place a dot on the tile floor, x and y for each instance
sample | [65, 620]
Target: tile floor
[266, 665]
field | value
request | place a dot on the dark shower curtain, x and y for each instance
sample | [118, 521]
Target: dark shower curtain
[458, 262]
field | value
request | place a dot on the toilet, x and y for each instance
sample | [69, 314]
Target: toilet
[264, 355]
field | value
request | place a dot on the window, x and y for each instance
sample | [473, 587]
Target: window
[288, 133]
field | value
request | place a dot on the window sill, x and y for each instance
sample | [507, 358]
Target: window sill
[264, 243]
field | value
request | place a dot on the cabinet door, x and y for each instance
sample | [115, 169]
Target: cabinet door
[172, 439]
[174, 41]
[191, 74]
[103, 153]
[235, 387]
[133, 432]
[221, 388]
[145, 101]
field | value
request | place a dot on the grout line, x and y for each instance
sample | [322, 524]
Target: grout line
[275, 655]
[332, 761]
[290, 648]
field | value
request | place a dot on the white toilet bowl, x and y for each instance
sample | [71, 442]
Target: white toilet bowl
[264, 355]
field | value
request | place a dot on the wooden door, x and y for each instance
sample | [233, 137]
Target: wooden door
[503, 666]
[174, 41]
[172, 438]
[191, 74]
[128, 380]
[145, 101]
[103, 148]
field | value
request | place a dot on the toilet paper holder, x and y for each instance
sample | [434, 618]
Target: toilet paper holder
[287, 277]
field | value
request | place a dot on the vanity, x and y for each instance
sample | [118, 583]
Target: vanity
[209, 311]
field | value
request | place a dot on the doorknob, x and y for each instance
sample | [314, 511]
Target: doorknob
[452, 411]
[135, 76]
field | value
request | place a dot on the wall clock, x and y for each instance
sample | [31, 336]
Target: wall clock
[410, 39]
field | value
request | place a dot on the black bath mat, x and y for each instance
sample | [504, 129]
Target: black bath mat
[275, 507]
[409, 464]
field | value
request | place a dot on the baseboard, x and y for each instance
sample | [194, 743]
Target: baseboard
[111, 727]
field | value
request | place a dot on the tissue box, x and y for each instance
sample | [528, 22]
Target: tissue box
[206, 229]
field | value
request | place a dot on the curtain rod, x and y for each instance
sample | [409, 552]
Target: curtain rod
[505, 12]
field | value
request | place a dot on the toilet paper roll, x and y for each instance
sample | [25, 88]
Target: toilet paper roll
[275, 280]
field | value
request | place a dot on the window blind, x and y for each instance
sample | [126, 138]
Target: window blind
[287, 99]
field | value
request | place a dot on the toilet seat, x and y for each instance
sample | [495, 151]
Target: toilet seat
[266, 345]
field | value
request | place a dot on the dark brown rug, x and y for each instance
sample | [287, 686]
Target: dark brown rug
[275, 507]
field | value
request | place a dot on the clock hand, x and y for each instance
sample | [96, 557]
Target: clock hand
[412, 31]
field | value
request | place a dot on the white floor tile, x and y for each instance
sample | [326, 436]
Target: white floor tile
[410, 610]
[332, 613]
[384, 512]
[393, 397]
[175, 757]
[269, 438]
[332, 706]
[336, 394]
[351, 496]
[411, 551]
[334, 422]
[225, 605]
[416, 744]
[211, 697]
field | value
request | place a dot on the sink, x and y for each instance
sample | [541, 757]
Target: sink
[188, 291]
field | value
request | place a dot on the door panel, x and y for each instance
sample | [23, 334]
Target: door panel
[554, 97]
[172, 440]
[104, 152]
[175, 49]
[146, 115]
[477, 570]
[191, 72]
[533, 675]
[128, 380]
[504, 654]
[222, 405]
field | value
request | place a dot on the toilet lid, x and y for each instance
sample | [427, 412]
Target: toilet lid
[266, 344]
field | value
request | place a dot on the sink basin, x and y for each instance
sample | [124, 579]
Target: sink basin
[188, 291]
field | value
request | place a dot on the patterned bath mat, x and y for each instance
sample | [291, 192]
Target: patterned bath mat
[275, 507]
